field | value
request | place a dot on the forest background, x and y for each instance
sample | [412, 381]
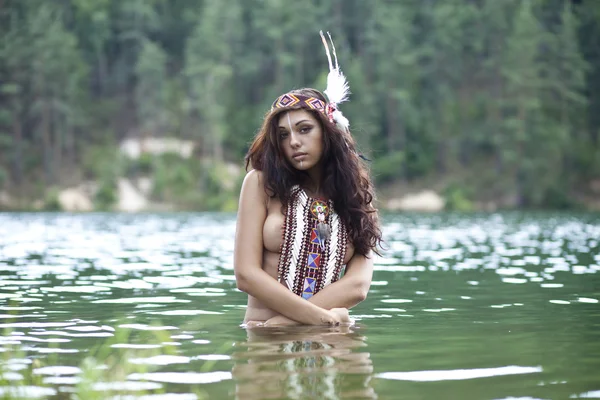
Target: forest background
[491, 103]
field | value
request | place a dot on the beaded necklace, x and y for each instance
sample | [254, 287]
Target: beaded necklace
[310, 260]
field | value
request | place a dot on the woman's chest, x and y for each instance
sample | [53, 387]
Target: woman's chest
[273, 231]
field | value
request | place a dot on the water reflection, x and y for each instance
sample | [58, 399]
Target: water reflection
[303, 362]
[468, 297]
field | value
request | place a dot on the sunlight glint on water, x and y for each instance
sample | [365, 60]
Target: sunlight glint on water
[476, 306]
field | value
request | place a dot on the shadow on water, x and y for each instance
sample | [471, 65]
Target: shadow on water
[303, 362]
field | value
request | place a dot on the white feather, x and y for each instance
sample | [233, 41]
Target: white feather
[340, 120]
[338, 89]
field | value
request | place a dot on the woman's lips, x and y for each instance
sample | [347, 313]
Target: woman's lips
[299, 156]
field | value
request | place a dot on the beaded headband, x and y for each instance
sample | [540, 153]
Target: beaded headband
[337, 91]
[290, 100]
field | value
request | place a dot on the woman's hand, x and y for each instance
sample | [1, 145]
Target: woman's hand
[341, 316]
[338, 316]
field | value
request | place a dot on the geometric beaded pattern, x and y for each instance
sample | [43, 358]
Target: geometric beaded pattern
[290, 100]
[308, 262]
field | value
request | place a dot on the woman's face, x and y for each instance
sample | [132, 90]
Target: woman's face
[301, 139]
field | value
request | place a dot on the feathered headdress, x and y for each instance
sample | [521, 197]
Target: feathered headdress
[337, 90]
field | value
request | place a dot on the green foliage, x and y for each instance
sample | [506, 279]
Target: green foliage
[191, 184]
[103, 366]
[558, 198]
[104, 165]
[436, 86]
[106, 195]
[174, 178]
[457, 198]
[143, 165]
[3, 177]
[219, 188]
[151, 88]
[50, 202]
[387, 167]
[102, 162]
[15, 389]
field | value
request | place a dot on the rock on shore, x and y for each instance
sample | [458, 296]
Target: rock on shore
[425, 201]
[74, 200]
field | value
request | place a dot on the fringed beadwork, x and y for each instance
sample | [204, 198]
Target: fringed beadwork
[311, 259]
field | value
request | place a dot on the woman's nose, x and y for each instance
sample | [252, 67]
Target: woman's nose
[294, 142]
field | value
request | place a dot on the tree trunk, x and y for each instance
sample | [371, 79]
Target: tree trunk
[218, 148]
[47, 142]
[69, 145]
[464, 143]
[517, 169]
[299, 66]
[57, 129]
[279, 67]
[392, 126]
[442, 148]
[18, 154]
[564, 122]
[494, 112]
[396, 133]
[102, 70]
[338, 16]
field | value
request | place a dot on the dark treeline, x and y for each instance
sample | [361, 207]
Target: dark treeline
[498, 97]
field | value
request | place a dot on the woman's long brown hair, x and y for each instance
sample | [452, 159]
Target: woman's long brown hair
[346, 181]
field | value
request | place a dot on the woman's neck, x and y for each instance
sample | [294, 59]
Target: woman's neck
[312, 183]
[312, 188]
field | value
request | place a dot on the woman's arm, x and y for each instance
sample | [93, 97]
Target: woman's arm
[347, 292]
[248, 256]
[351, 289]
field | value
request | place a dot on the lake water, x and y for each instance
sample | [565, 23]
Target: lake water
[471, 306]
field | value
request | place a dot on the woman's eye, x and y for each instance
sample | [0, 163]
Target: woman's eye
[305, 129]
[283, 134]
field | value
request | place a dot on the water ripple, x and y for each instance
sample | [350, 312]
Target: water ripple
[159, 290]
[190, 378]
[459, 374]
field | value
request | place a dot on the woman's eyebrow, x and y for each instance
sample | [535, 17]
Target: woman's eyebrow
[297, 123]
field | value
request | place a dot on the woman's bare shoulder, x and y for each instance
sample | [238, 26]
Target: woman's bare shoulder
[254, 175]
[253, 186]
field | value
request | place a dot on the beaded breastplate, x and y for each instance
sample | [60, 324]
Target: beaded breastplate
[309, 260]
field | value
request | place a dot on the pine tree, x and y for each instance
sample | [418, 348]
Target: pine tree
[209, 71]
[151, 89]
[57, 73]
[563, 100]
[392, 62]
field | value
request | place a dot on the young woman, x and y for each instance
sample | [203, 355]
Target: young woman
[305, 214]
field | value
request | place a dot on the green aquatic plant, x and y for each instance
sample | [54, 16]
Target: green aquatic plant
[104, 373]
